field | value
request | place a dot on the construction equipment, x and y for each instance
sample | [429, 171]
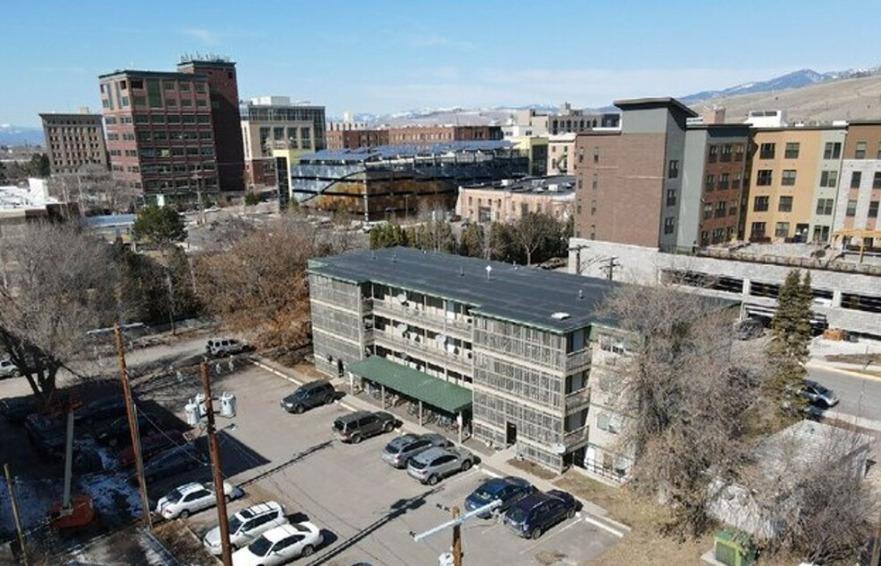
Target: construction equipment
[79, 510]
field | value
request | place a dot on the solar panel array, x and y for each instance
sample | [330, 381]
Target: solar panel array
[385, 152]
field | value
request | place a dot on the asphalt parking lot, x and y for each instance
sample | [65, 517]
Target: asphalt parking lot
[366, 508]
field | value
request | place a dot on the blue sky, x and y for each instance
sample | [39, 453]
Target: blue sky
[392, 55]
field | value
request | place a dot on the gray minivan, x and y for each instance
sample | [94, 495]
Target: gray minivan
[309, 395]
[363, 424]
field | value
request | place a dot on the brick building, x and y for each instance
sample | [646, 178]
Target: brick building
[859, 188]
[74, 141]
[410, 135]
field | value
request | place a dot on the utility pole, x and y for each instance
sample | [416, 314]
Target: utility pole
[610, 267]
[577, 250]
[456, 522]
[876, 544]
[214, 449]
[11, 488]
[133, 426]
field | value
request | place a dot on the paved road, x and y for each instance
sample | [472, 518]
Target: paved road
[860, 396]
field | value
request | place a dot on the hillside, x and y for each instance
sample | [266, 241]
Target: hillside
[847, 99]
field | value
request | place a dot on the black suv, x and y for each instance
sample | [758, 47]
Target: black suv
[309, 395]
[362, 424]
[536, 513]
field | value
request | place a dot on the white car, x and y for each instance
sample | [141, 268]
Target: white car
[280, 545]
[246, 525]
[8, 369]
[192, 497]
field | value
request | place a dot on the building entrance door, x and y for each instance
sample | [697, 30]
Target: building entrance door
[510, 434]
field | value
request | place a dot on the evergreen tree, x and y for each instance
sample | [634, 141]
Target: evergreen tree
[790, 337]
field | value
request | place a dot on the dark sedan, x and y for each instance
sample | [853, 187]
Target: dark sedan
[533, 515]
[508, 490]
[116, 432]
[151, 445]
[174, 461]
[109, 407]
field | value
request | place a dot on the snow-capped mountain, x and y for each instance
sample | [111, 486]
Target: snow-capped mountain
[20, 135]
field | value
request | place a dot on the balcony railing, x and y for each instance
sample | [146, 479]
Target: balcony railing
[576, 436]
[578, 359]
[577, 398]
[427, 350]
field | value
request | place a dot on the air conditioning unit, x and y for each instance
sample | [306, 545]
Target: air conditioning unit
[734, 548]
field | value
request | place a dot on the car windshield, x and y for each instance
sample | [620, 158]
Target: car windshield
[234, 523]
[339, 425]
[483, 494]
[418, 464]
[260, 547]
[517, 514]
[174, 496]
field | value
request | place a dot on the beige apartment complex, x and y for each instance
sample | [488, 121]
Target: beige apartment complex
[508, 200]
[74, 141]
[793, 183]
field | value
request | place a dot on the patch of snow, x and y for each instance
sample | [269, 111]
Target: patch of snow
[34, 498]
[112, 494]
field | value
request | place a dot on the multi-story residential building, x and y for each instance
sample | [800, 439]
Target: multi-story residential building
[630, 179]
[508, 200]
[561, 154]
[386, 181]
[456, 335]
[715, 172]
[273, 127]
[410, 135]
[535, 148]
[529, 122]
[859, 186]
[74, 141]
[355, 138]
[164, 130]
[793, 183]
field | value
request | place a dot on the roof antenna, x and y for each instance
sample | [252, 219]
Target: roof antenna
[394, 258]
[372, 254]
[581, 293]
[461, 271]
[489, 270]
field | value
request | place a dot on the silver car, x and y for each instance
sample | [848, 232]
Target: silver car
[247, 525]
[399, 451]
[437, 463]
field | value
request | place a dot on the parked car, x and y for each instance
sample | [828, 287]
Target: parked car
[817, 395]
[246, 525]
[508, 490]
[151, 445]
[399, 451]
[536, 513]
[435, 464]
[193, 497]
[109, 407]
[47, 434]
[8, 369]
[16, 409]
[171, 462]
[117, 432]
[309, 395]
[280, 545]
[217, 347]
[359, 425]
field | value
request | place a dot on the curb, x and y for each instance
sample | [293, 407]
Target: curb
[847, 371]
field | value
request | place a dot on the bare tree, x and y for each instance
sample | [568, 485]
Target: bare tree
[59, 283]
[685, 396]
[94, 189]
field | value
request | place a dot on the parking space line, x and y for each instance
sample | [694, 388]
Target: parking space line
[548, 536]
[489, 472]
[618, 534]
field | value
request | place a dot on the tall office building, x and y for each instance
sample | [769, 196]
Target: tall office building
[168, 134]
[74, 141]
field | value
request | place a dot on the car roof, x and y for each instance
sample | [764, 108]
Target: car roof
[190, 487]
[404, 440]
[275, 534]
[533, 500]
[258, 509]
[431, 454]
[494, 485]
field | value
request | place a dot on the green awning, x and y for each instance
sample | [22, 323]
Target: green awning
[413, 383]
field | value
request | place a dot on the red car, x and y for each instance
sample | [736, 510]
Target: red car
[151, 445]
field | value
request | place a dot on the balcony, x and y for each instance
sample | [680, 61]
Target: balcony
[578, 359]
[577, 399]
[426, 350]
[435, 319]
[576, 436]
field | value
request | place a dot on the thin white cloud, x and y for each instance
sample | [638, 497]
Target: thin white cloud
[207, 37]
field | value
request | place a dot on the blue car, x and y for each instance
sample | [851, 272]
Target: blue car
[533, 515]
[508, 490]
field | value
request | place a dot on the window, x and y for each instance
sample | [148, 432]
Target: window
[824, 206]
[608, 423]
[738, 152]
[781, 230]
[669, 225]
[718, 235]
[878, 156]
[186, 103]
[671, 197]
[200, 88]
[785, 204]
[154, 93]
[829, 179]
[876, 180]
[788, 178]
[766, 151]
[859, 151]
[708, 211]
[855, 179]
[763, 178]
[720, 209]
[168, 85]
[791, 151]
[735, 182]
[710, 182]
[760, 204]
[596, 151]
[873, 209]
[851, 208]
[732, 208]
[714, 154]
[723, 181]
[832, 150]
[726, 152]
[673, 169]
[757, 230]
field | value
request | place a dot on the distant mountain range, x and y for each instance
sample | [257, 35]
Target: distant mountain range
[20, 135]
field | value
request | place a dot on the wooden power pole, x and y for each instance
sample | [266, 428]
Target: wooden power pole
[214, 449]
[133, 426]
[15, 516]
[457, 537]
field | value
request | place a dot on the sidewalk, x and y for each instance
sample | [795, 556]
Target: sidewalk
[493, 462]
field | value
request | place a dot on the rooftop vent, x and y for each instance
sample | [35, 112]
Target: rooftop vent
[560, 315]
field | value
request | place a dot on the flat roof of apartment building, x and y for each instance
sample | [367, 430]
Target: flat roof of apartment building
[527, 295]
[561, 185]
